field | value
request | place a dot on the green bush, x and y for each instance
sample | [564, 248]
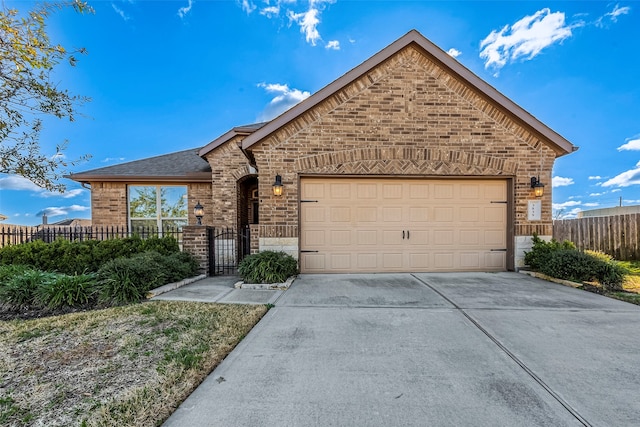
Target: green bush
[126, 280]
[80, 257]
[541, 251]
[570, 264]
[66, 291]
[20, 290]
[267, 267]
[9, 271]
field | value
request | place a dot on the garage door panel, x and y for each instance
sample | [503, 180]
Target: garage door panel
[341, 214]
[357, 224]
[367, 237]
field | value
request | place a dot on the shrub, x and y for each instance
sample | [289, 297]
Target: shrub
[267, 267]
[579, 266]
[12, 270]
[126, 280]
[20, 290]
[82, 256]
[69, 291]
[541, 251]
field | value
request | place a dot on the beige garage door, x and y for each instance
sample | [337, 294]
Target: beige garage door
[412, 225]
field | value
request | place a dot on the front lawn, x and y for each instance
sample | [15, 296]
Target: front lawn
[121, 366]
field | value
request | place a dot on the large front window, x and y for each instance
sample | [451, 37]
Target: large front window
[158, 206]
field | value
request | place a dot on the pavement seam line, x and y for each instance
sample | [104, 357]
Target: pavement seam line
[511, 355]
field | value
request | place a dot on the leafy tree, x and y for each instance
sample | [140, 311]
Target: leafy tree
[27, 92]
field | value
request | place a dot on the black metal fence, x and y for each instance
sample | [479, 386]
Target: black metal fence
[227, 247]
[15, 235]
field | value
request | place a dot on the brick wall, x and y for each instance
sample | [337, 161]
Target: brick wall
[405, 117]
[228, 165]
[195, 242]
[109, 204]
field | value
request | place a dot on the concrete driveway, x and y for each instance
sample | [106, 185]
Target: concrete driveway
[476, 349]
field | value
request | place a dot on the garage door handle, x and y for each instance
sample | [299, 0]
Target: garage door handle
[408, 235]
[402, 234]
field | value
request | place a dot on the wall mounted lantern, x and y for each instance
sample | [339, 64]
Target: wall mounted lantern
[277, 186]
[198, 211]
[538, 187]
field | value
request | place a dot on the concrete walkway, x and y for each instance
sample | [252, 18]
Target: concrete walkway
[220, 289]
[475, 349]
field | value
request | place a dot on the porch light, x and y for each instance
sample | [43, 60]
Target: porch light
[198, 211]
[277, 186]
[538, 187]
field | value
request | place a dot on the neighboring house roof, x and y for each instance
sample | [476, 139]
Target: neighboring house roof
[239, 130]
[71, 222]
[182, 166]
[559, 144]
[2, 217]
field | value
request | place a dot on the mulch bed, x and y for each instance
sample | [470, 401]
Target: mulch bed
[28, 312]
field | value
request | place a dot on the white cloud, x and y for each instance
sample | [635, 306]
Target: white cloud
[248, 6]
[567, 204]
[15, 182]
[454, 52]
[616, 190]
[333, 44]
[591, 205]
[284, 99]
[120, 12]
[270, 11]
[526, 38]
[18, 183]
[633, 144]
[625, 179]
[597, 194]
[559, 181]
[182, 12]
[613, 15]
[308, 22]
[305, 14]
[66, 195]
[630, 202]
[113, 159]
[64, 210]
[595, 177]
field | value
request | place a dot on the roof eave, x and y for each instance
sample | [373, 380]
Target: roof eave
[190, 178]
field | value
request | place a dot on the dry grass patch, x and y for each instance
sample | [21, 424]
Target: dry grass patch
[125, 366]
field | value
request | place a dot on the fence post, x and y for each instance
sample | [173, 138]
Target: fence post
[195, 241]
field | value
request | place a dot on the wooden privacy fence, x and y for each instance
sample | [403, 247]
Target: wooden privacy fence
[616, 235]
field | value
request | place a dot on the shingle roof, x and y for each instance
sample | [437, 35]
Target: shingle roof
[183, 166]
[238, 130]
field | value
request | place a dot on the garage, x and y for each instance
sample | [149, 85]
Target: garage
[356, 224]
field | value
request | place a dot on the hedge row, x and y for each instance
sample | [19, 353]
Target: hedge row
[564, 261]
[119, 281]
[81, 257]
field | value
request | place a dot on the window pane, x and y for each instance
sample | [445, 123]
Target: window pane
[143, 225]
[173, 202]
[142, 202]
[173, 224]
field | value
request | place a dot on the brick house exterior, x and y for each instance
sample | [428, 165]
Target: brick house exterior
[409, 112]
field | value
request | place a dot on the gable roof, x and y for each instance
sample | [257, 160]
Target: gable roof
[236, 131]
[558, 143]
[182, 166]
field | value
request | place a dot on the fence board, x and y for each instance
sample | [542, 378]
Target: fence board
[616, 235]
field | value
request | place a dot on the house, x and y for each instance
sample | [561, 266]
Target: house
[408, 162]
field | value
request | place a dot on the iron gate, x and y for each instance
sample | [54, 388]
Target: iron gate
[227, 247]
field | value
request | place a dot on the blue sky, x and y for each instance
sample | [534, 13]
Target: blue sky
[165, 76]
